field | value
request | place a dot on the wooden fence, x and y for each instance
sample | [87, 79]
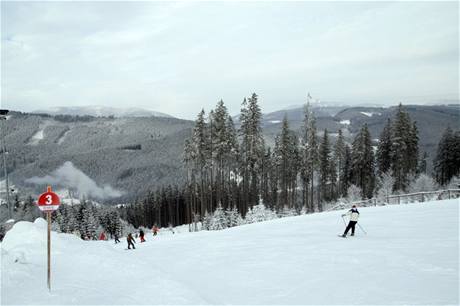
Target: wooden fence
[404, 199]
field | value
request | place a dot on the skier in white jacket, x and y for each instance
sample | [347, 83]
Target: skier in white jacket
[354, 216]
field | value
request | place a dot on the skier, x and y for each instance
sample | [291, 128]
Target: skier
[141, 235]
[354, 216]
[116, 239]
[131, 241]
[155, 230]
[102, 236]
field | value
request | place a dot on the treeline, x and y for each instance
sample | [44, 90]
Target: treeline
[231, 167]
[236, 168]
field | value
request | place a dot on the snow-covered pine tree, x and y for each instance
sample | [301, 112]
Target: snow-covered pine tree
[233, 217]
[219, 219]
[259, 213]
[207, 221]
[354, 193]
[385, 183]
[252, 150]
[422, 183]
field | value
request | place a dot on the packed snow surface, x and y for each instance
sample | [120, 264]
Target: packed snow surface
[409, 256]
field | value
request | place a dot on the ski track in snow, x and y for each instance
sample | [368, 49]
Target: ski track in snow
[410, 256]
[63, 137]
[40, 134]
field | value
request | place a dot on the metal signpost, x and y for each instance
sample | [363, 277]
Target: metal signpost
[49, 202]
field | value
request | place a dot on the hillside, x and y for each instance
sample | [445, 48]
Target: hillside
[120, 152]
[431, 120]
[135, 154]
[295, 260]
[101, 111]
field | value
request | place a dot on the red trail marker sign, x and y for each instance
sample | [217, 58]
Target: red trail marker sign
[48, 202]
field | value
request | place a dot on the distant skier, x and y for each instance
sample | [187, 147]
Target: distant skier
[354, 216]
[155, 230]
[131, 241]
[116, 238]
[141, 235]
[102, 236]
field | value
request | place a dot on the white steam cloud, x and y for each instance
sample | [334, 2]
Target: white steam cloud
[68, 176]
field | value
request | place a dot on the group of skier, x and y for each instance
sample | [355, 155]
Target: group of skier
[131, 241]
[353, 213]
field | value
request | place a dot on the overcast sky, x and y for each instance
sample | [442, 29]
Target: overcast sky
[178, 57]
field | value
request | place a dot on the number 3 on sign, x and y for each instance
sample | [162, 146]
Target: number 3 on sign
[49, 199]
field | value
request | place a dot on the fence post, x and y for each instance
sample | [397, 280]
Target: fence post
[423, 197]
[448, 191]
[399, 199]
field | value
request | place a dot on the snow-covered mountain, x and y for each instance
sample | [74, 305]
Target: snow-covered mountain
[101, 111]
[291, 261]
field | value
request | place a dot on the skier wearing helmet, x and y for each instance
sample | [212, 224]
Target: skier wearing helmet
[354, 216]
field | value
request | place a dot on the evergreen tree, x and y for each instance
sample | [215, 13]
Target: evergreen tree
[403, 148]
[200, 143]
[324, 168]
[233, 217]
[219, 219]
[447, 161]
[252, 150]
[422, 165]
[384, 149]
[345, 175]
[385, 182]
[308, 157]
[286, 159]
[339, 160]
[362, 158]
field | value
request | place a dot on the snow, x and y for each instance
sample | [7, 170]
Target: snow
[63, 137]
[37, 137]
[370, 114]
[345, 122]
[409, 256]
[275, 121]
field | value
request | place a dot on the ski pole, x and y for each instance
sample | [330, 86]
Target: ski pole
[362, 229]
[343, 219]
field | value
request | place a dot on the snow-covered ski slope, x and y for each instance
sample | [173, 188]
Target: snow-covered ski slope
[409, 256]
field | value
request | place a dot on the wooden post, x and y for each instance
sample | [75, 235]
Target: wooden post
[48, 216]
[448, 191]
[399, 199]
